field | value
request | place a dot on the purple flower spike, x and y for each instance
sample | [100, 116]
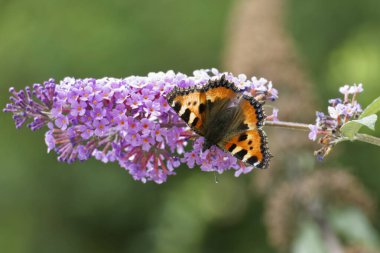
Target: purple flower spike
[127, 120]
[32, 105]
[340, 111]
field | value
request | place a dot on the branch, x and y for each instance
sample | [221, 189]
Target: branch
[289, 125]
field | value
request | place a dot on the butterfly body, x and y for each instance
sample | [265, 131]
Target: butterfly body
[225, 117]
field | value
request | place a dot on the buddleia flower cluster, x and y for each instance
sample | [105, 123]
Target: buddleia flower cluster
[340, 111]
[127, 120]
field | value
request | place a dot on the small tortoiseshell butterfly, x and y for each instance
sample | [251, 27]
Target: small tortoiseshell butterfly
[225, 117]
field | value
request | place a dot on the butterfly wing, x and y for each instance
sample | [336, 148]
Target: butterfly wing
[189, 103]
[245, 139]
[194, 104]
[220, 89]
[203, 108]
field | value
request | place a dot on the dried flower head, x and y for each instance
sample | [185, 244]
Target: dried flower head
[359, 248]
[297, 198]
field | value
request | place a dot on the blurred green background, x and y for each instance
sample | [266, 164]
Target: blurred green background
[47, 206]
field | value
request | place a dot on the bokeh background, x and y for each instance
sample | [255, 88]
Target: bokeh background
[308, 48]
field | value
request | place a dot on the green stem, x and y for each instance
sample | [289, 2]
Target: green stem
[368, 138]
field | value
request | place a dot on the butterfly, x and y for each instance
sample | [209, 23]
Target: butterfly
[225, 117]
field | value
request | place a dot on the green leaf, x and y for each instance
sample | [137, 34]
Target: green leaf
[354, 226]
[372, 108]
[367, 118]
[350, 128]
[308, 239]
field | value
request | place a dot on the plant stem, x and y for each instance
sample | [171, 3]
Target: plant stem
[305, 127]
[368, 138]
[289, 125]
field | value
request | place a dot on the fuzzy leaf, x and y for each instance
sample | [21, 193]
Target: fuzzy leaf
[372, 108]
[308, 240]
[350, 128]
[354, 226]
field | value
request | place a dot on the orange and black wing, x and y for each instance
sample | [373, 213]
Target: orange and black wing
[220, 89]
[247, 141]
[189, 103]
[192, 103]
